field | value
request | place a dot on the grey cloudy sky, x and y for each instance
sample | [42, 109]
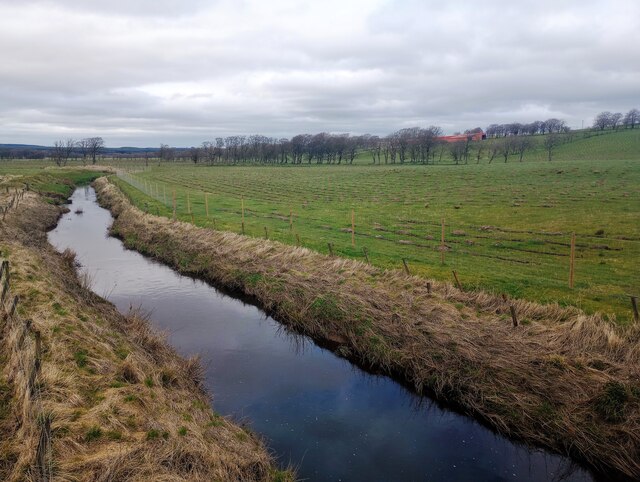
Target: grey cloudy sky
[181, 72]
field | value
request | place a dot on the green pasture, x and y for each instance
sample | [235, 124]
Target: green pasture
[507, 227]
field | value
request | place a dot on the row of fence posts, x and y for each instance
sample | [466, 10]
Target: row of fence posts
[405, 263]
[27, 346]
[16, 197]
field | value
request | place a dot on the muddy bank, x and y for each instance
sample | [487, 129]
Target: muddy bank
[110, 400]
[561, 379]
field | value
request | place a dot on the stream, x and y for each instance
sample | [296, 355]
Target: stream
[316, 411]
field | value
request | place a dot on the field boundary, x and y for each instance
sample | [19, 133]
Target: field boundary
[395, 221]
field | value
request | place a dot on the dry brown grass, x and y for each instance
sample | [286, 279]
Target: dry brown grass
[123, 404]
[562, 379]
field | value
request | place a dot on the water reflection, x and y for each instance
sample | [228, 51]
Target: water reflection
[317, 411]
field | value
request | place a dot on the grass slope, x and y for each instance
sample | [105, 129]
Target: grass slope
[508, 227]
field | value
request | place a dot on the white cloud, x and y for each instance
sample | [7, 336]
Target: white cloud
[185, 71]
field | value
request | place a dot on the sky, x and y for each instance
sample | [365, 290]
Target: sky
[138, 73]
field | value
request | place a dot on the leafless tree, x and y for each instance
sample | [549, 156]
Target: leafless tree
[479, 151]
[62, 151]
[551, 141]
[493, 149]
[166, 153]
[632, 118]
[83, 146]
[457, 150]
[615, 119]
[506, 147]
[208, 152]
[95, 145]
[195, 154]
[602, 120]
[522, 145]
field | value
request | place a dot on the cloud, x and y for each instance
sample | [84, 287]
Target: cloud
[140, 73]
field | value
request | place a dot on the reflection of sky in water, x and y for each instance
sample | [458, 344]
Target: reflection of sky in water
[316, 410]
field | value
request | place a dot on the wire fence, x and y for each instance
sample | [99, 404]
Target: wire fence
[24, 342]
[483, 256]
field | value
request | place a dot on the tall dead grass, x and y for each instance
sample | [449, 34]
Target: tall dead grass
[123, 404]
[562, 379]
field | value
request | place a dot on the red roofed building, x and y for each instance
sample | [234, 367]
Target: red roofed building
[476, 136]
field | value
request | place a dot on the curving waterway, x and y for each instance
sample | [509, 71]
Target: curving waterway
[331, 420]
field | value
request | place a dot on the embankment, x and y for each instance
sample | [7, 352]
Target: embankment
[89, 394]
[561, 379]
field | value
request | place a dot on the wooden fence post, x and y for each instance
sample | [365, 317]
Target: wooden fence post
[634, 305]
[206, 203]
[455, 275]
[188, 203]
[5, 290]
[442, 243]
[14, 306]
[572, 259]
[43, 454]
[4, 266]
[353, 228]
[514, 317]
[38, 354]
[429, 287]
[242, 206]
[266, 233]
[174, 205]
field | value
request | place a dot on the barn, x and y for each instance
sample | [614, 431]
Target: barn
[476, 136]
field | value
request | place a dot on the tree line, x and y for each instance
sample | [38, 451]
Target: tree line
[413, 145]
[550, 126]
[87, 148]
[614, 120]
[406, 145]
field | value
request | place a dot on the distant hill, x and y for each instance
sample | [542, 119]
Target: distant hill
[116, 150]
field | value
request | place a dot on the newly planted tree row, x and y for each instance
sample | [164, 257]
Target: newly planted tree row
[510, 237]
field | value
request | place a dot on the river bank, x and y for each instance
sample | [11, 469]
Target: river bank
[561, 379]
[109, 398]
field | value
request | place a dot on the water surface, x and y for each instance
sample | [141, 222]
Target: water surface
[317, 411]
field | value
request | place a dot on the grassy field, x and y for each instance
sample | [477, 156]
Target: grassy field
[558, 378]
[507, 228]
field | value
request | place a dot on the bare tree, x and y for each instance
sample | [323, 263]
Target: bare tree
[457, 150]
[615, 119]
[632, 118]
[506, 147]
[83, 146]
[551, 141]
[479, 151]
[195, 154]
[494, 148]
[166, 153]
[602, 120]
[522, 145]
[62, 151]
[95, 145]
